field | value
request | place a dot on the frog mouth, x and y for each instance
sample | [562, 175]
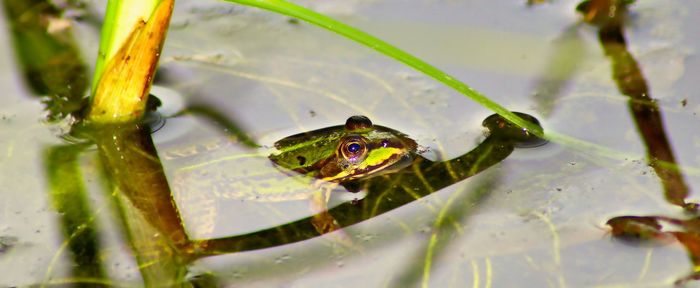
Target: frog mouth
[390, 165]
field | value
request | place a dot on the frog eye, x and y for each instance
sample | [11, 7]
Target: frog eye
[353, 149]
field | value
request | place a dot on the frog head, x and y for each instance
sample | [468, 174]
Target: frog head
[355, 150]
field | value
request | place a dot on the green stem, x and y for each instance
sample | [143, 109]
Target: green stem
[118, 24]
[130, 48]
[106, 37]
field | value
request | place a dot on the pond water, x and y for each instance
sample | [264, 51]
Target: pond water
[536, 219]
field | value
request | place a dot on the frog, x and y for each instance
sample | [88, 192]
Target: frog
[356, 156]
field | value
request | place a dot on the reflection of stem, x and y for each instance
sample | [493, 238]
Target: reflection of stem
[143, 196]
[645, 112]
[48, 55]
[281, 82]
[211, 114]
[71, 203]
[458, 208]
[609, 16]
[562, 66]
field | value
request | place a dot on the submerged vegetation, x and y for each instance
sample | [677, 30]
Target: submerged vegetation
[347, 174]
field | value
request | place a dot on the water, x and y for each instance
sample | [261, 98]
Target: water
[536, 219]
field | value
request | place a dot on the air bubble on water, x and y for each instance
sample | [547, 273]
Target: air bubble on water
[367, 237]
[237, 275]
[282, 259]
[7, 242]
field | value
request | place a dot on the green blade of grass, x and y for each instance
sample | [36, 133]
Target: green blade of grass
[296, 11]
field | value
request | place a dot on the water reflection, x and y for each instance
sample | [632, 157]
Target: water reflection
[610, 16]
[141, 192]
[565, 61]
[48, 55]
[70, 200]
[459, 207]
[645, 112]
[211, 114]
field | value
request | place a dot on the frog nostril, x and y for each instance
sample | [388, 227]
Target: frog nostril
[302, 160]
